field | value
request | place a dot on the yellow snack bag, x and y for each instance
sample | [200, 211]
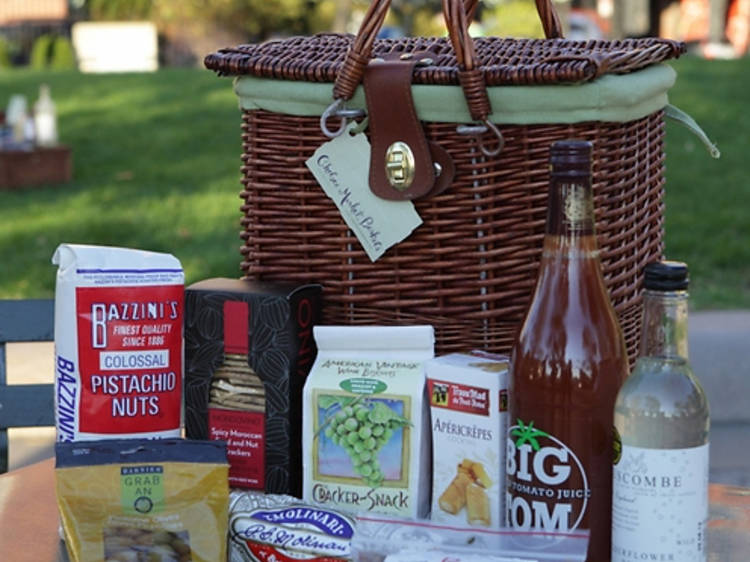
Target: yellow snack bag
[162, 500]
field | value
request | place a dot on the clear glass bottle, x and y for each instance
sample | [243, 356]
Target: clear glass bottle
[567, 365]
[660, 481]
[45, 118]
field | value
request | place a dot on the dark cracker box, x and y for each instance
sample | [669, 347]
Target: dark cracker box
[281, 350]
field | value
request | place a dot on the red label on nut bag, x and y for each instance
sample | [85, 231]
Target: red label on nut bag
[130, 350]
[244, 433]
[459, 397]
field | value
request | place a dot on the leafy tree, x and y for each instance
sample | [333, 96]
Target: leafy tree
[513, 18]
[115, 10]
[260, 19]
[255, 19]
[6, 53]
[40, 52]
[416, 16]
[63, 56]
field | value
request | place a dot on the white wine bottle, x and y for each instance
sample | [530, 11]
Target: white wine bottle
[660, 477]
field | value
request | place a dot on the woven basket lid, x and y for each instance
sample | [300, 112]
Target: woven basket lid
[502, 61]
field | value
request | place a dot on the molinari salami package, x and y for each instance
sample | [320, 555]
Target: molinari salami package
[281, 528]
[118, 343]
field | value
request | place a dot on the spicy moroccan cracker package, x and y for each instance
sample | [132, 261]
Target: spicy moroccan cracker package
[248, 349]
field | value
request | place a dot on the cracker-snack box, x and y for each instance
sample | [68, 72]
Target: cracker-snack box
[468, 407]
[248, 348]
[366, 442]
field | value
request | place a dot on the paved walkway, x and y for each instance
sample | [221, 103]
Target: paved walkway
[719, 351]
[720, 355]
[30, 363]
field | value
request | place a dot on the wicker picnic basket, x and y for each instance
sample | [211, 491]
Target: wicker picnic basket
[470, 268]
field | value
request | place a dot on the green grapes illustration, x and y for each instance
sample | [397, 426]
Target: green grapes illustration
[361, 427]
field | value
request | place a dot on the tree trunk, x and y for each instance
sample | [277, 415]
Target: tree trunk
[343, 15]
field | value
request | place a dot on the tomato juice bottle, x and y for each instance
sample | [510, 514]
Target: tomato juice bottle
[567, 365]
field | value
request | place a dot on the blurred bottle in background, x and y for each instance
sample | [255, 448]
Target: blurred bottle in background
[45, 118]
[17, 116]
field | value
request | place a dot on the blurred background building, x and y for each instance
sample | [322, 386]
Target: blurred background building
[42, 32]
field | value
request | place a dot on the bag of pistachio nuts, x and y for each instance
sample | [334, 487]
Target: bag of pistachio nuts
[118, 343]
[128, 500]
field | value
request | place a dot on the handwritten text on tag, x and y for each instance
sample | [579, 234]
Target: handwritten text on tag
[341, 167]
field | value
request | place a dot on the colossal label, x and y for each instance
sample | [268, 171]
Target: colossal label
[548, 489]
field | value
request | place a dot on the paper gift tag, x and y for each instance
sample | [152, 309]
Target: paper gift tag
[341, 167]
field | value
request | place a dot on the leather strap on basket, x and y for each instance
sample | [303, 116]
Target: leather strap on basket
[402, 161]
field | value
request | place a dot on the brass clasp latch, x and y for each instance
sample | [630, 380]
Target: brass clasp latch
[399, 165]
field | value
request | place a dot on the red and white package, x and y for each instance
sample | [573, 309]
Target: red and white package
[118, 343]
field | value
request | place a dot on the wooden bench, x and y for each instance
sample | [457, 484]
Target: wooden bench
[24, 405]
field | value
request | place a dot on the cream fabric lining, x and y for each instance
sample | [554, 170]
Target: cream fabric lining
[618, 98]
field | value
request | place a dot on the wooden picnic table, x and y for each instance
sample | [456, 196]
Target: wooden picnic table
[29, 518]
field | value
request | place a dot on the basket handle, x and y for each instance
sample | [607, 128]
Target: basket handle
[457, 14]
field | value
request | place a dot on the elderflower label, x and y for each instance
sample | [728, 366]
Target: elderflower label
[660, 504]
[341, 167]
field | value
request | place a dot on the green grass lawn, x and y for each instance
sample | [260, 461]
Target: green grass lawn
[156, 166]
[708, 201]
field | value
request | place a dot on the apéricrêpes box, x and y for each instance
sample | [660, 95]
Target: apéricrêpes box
[468, 407]
[248, 349]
